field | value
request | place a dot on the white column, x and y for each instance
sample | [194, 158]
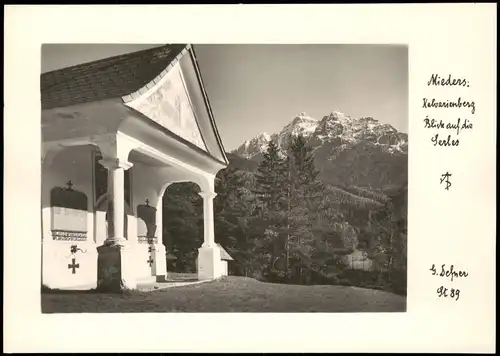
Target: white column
[116, 193]
[209, 262]
[159, 220]
[208, 218]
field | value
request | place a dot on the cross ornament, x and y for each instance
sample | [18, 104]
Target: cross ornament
[147, 202]
[73, 266]
[70, 185]
[150, 261]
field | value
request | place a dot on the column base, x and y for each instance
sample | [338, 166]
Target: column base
[208, 263]
[115, 268]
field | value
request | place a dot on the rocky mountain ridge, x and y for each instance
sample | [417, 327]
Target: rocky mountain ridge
[335, 128]
[348, 151]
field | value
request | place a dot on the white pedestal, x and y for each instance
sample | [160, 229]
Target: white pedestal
[224, 268]
[63, 270]
[209, 266]
[116, 268]
[143, 269]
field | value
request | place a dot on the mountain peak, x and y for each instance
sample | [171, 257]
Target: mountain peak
[263, 136]
[254, 146]
[302, 124]
[303, 117]
[336, 116]
[337, 113]
[348, 150]
[336, 128]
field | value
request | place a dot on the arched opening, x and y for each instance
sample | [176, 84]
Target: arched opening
[182, 226]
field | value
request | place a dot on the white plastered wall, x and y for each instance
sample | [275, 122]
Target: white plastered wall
[69, 164]
[145, 183]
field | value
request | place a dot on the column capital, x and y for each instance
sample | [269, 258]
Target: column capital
[208, 195]
[115, 163]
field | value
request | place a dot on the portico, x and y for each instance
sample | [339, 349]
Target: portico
[121, 130]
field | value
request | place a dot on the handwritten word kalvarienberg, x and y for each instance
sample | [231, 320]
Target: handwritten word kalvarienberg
[459, 103]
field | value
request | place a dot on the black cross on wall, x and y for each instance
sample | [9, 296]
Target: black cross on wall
[147, 202]
[150, 261]
[73, 266]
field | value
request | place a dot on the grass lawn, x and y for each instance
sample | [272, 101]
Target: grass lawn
[230, 294]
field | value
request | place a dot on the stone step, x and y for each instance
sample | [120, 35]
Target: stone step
[146, 279]
[149, 287]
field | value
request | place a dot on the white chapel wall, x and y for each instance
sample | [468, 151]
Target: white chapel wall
[69, 261]
[71, 164]
[145, 186]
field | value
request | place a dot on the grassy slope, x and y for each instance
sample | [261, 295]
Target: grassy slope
[231, 294]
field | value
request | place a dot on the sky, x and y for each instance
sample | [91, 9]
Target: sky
[256, 88]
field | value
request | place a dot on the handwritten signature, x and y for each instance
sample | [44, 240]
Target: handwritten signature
[450, 272]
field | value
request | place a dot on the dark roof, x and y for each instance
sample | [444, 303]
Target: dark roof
[106, 78]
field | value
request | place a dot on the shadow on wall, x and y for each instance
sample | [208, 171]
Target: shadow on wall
[69, 213]
[146, 221]
[104, 209]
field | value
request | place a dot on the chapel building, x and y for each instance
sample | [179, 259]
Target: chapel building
[115, 134]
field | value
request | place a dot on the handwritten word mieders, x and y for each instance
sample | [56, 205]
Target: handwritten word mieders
[436, 80]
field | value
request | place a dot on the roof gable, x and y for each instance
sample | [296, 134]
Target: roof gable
[133, 77]
[167, 102]
[194, 84]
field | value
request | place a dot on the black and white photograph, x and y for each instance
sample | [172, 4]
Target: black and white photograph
[240, 178]
[224, 178]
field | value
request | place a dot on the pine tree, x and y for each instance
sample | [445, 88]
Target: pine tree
[270, 174]
[270, 220]
[304, 171]
[306, 193]
[234, 206]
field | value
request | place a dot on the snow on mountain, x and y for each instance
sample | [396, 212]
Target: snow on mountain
[336, 129]
[252, 147]
[346, 132]
[301, 124]
[359, 152]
